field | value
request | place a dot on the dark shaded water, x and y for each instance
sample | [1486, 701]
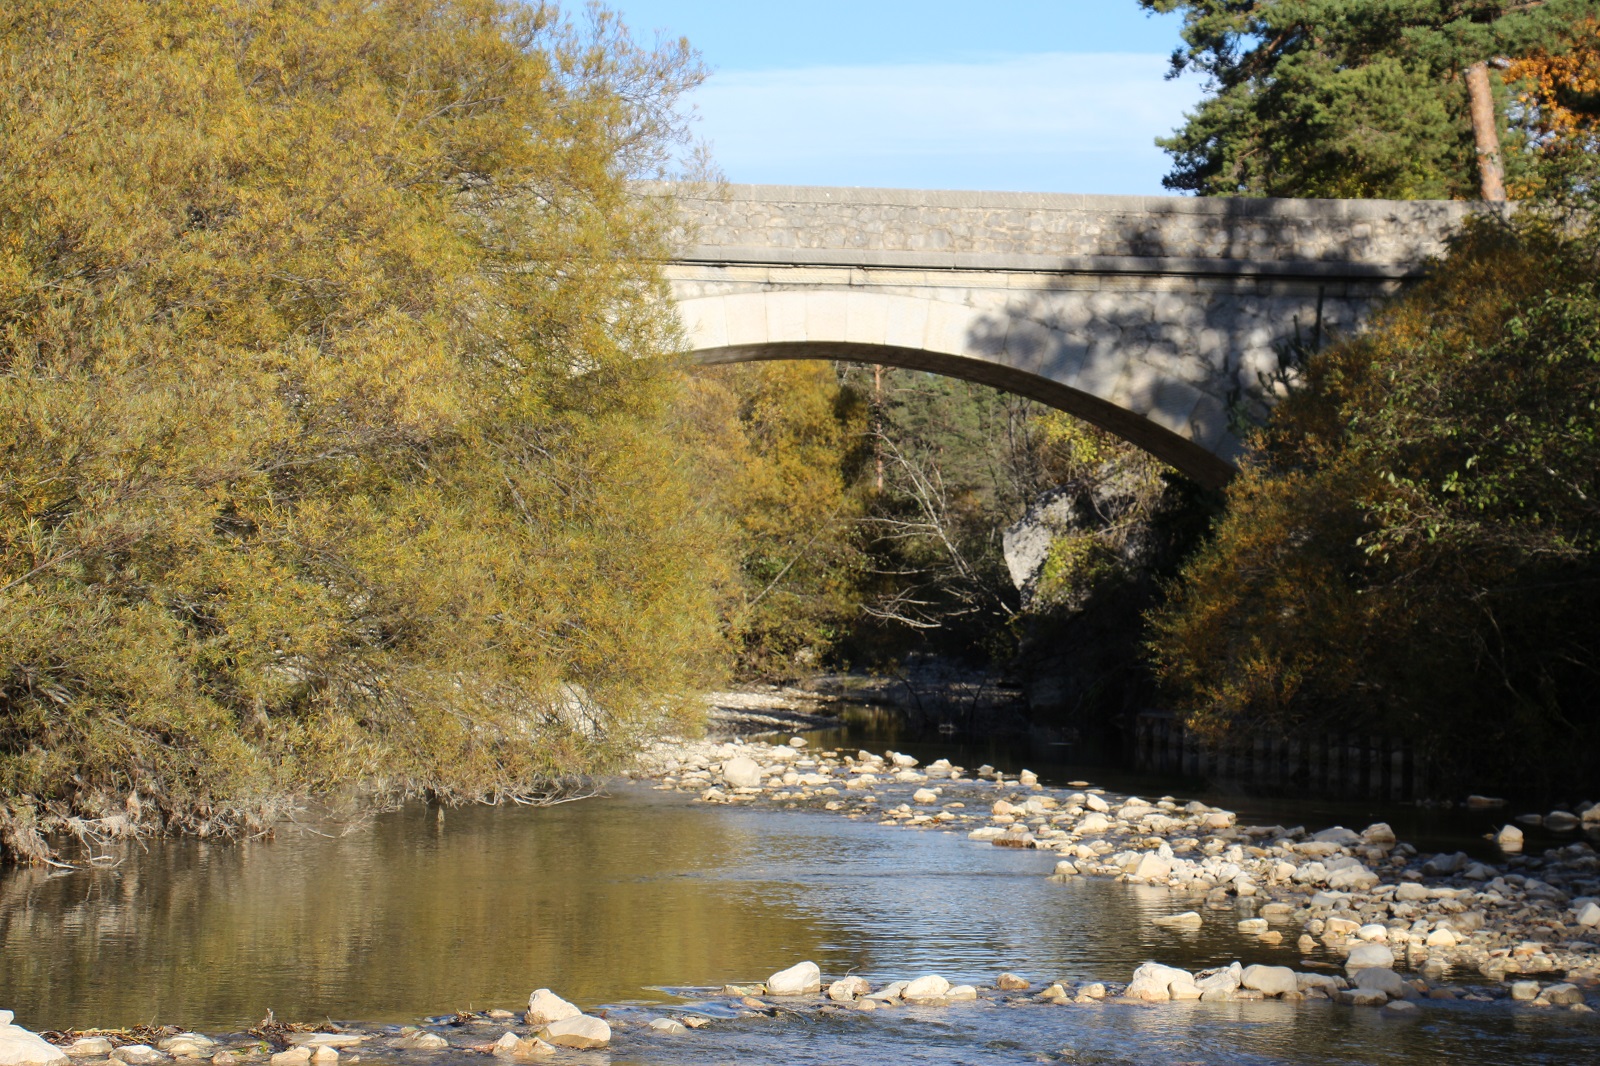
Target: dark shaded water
[609, 900]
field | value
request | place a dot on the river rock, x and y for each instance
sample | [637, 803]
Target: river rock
[1560, 821]
[890, 991]
[1269, 980]
[580, 1032]
[1186, 920]
[20, 1047]
[295, 1056]
[801, 979]
[961, 994]
[669, 1026]
[1368, 956]
[1375, 978]
[1093, 823]
[1442, 865]
[925, 795]
[324, 1056]
[512, 1046]
[414, 1042]
[1379, 834]
[1524, 991]
[544, 1007]
[848, 989]
[1442, 937]
[1509, 839]
[1010, 982]
[1362, 997]
[1410, 892]
[1220, 984]
[1354, 877]
[931, 986]
[144, 1054]
[337, 1040]
[1157, 983]
[1153, 868]
[1096, 804]
[180, 1048]
[1563, 995]
[90, 1047]
[741, 771]
[1589, 914]
[1337, 835]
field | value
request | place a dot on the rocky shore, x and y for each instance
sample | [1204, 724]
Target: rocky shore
[1361, 919]
[1366, 919]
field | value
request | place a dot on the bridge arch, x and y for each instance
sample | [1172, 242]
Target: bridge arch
[1095, 377]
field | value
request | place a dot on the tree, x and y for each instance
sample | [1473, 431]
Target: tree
[1354, 98]
[1414, 551]
[780, 447]
[332, 407]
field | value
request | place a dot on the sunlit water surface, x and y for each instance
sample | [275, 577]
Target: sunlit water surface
[625, 900]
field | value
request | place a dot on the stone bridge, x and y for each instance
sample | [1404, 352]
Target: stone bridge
[1153, 317]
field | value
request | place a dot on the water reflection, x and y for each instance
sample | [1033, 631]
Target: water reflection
[606, 899]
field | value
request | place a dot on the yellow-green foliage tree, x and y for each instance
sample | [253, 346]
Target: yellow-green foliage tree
[1414, 551]
[331, 457]
[781, 445]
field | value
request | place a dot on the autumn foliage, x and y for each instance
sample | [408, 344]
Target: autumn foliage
[331, 458]
[1415, 549]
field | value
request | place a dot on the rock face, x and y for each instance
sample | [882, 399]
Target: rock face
[801, 979]
[19, 1047]
[580, 1032]
[544, 1007]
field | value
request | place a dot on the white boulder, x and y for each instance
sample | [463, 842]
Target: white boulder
[544, 1007]
[1270, 980]
[801, 979]
[19, 1047]
[1157, 983]
[580, 1032]
[742, 772]
[932, 986]
[1368, 956]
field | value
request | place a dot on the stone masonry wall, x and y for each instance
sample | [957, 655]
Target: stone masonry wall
[1390, 238]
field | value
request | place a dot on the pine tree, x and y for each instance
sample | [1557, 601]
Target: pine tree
[1355, 98]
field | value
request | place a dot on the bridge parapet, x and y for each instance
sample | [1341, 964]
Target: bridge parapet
[1042, 231]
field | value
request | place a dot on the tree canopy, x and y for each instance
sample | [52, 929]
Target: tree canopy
[331, 460]
[1414, 550]
[1348, 98]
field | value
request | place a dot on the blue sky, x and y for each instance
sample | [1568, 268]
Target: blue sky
[1028, 95]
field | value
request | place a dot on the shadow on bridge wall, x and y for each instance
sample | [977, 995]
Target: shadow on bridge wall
[1157, 344]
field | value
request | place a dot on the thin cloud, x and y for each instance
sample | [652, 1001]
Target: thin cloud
[1071, 121]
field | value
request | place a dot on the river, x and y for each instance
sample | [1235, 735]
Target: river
[636, 900]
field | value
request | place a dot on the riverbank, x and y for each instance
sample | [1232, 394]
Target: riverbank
[1367, 918]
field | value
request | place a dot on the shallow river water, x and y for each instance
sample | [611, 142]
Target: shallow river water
[633, 900]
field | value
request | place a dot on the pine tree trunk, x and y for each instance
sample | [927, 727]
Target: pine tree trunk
[1491, 171]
